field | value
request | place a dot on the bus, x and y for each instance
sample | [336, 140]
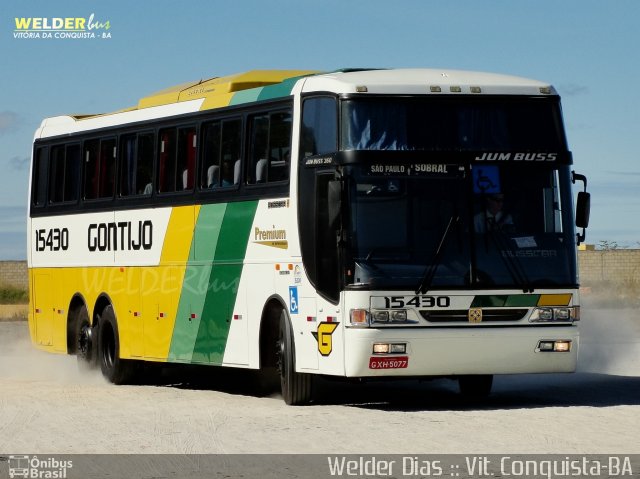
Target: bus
[363, 223]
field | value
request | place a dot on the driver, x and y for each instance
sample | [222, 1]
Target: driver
[493, 218]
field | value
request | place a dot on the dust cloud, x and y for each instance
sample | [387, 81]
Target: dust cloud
[20, 360]
[609, 339]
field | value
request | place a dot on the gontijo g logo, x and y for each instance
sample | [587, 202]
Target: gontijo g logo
[61, 27]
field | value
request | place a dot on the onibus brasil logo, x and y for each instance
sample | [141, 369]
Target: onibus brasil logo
[33, 467]
[61, 27]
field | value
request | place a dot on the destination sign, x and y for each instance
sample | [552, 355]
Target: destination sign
[445, 163]
[415, 169]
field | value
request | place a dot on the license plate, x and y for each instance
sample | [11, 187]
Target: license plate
[397, 362]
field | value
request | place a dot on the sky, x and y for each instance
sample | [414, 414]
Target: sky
[587, 49]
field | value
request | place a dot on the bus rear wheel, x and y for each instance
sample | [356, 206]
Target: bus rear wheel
[296, 387]
[116, 370]
[86, 345]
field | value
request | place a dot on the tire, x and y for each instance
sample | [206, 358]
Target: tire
[116, 370]
[475, 387]
[296, 387]
[86, 341]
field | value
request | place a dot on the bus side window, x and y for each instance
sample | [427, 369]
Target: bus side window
[210, 156]
[230, 152]
[64, 180]
[319, 129]
[280, 146]
[40, 173]
[91, 169]
[167, 170]
[270, 147]
[136, 164]
[221, 156]
[99, 168]
[258, 149]
[144, 163]
[107, 168]
[186, 161]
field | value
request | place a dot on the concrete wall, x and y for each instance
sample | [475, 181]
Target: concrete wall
[620, 265]
[595, 266]
[13, 273]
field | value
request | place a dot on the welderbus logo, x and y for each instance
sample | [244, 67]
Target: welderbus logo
[60, 28]
[34, 467]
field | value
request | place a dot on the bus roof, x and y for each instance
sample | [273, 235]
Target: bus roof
[259, 85]
[425, 81]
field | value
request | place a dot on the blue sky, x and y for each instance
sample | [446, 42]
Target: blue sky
[587, 49]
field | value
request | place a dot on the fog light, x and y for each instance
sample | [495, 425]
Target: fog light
[545, 345]
[359, 317]
[557, 346]
[380, 348]
[562, 346]
[386, 348]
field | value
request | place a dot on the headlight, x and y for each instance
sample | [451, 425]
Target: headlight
[380, 316]
[399, 315]
[389, 316]
[549, 314]
[365, 318]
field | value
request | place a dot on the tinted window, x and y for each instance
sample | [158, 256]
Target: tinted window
[99, 168]
[39, 193]
[177, 159]
[221, 158]
[136, 164]
[64, 178]
[269, 148]
[319, 126]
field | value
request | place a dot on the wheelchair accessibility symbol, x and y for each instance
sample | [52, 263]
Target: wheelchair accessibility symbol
[486, 180]
[293, 299]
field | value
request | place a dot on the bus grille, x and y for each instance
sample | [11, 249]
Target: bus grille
[462, 315]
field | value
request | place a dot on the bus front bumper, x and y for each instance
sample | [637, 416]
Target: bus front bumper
[461, 351]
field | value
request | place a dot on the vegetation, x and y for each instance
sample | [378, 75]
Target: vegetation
[13, 295]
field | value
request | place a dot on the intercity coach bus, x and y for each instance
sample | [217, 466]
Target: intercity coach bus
[360, 223]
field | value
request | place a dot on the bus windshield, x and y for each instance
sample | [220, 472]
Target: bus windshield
[452, 123]
[444, 230]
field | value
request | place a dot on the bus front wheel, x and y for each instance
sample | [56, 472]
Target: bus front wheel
[296, 387]
[116, 370]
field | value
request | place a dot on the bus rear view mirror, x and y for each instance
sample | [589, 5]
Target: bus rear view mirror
[583, 206]
[583, 209]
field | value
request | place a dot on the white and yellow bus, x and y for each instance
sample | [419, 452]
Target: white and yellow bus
[358, 223]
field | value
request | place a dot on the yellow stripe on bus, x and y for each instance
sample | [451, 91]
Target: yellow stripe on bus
[554, 300]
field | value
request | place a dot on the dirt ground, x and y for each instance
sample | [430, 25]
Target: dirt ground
[47, 406]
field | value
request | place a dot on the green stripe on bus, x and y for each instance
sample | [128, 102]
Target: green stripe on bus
[196, 281]
[224, 280]
[504, 300]
[278, 90]
[245, 96]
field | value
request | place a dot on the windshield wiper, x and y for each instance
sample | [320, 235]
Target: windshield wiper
[430, 272]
